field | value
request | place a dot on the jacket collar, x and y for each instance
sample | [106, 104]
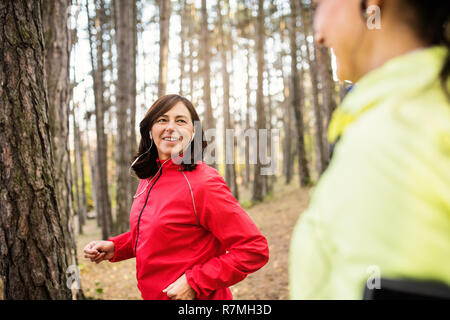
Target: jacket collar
[170, 163]
[400, 77]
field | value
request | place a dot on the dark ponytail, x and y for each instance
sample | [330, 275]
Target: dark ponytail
[430, 21]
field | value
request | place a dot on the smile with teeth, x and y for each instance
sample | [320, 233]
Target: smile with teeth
[172, 139]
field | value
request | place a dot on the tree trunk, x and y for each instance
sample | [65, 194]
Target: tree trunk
[329, 102]
[192, 34]
[260, 116]
[78, 174]
[103, 201]
[209, 120]
[36, 243]
[247, 120]
[287, 124]
[58, 44]
[296, 99]
[183, 36]
[271, 179]
[230, 172]
[124, 42]
[313, 72]
[133, 92]
[164, 24]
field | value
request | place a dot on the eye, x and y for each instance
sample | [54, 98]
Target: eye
[181, 120]
[161, 120]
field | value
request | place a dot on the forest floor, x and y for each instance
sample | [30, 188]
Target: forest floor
[275, 217]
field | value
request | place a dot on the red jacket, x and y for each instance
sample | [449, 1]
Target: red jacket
[192, 224]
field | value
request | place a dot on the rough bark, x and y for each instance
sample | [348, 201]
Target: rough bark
[36, 245]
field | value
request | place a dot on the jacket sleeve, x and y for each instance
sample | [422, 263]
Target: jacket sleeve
[247, 250]
[123, 247]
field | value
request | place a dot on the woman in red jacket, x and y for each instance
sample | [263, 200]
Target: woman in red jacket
[190, 236]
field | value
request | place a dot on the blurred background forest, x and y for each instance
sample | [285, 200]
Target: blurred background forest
[243, 64]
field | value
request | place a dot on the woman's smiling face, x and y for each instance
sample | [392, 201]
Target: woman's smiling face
[172, 131]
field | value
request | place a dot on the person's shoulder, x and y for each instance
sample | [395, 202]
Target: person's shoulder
[205, 175]
[206, 171]
[401, 128]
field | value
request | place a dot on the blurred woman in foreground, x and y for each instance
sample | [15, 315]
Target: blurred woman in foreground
[382, 209]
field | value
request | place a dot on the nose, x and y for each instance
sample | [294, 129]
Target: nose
[170, 126]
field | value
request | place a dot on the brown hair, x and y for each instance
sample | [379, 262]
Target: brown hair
[430, 22]
[146, 166]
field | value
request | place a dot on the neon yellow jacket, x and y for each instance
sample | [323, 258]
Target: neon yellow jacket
[382, 208]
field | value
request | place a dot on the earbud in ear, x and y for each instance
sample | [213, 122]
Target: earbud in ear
[150, 133]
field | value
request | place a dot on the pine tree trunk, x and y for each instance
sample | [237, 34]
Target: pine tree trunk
[329, 102]
[209, 122]
[258, 192]
[296, 99]
[78, 174]
[287, 125]
[270, 179]
[192, 34]
[36, 243]
[228, 145]
[133, 92]
[124, 41]
[103, 200]
[183, 36]
[164, 24]
[313, 73]
[247, 120]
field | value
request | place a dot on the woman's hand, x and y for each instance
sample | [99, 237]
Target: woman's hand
[99, 250]
[180, 290]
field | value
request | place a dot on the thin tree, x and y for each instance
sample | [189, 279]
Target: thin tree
[296, 99]
[247, 118]
[164, 24]
[103, 201]
[183, 36]
[124, 41]
[311, 57]
[230, 170]
[328, 92]
[133, 92]
[79, 173]
[260, 115]
[205, 70]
